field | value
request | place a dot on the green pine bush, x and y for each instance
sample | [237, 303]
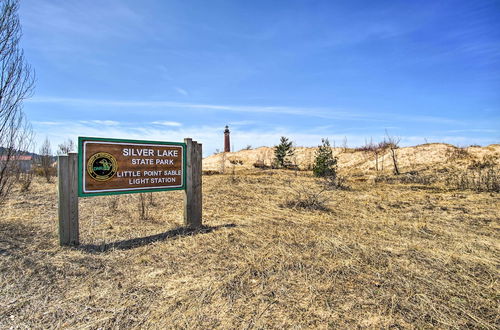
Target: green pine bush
[325, 165]
[282, 152]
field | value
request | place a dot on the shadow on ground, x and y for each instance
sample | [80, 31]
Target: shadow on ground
[141, 241]
[16, 238]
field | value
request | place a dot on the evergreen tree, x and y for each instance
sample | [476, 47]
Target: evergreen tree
[325, 165]
[282, 152]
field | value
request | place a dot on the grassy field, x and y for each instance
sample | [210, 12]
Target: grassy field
[379, 255]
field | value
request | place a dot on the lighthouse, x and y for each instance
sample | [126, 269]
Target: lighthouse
[227, 144]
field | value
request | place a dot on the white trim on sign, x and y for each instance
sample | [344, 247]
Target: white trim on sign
[84, 167]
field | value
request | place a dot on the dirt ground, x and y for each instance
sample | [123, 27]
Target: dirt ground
[378, 255]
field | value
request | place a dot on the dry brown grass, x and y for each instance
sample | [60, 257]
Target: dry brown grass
[383, 255]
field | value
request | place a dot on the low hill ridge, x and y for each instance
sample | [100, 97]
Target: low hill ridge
[424, 155]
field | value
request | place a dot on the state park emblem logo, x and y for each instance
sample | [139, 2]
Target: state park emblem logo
[102, 166]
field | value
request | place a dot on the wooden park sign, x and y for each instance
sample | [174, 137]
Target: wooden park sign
[115, 166]
[112, 166]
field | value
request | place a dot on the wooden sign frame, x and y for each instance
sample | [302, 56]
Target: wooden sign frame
[69, 173]
[81, 166]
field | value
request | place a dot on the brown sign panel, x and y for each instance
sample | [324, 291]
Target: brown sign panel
[115, 166]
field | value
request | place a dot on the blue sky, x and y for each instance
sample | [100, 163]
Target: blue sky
[165, 70]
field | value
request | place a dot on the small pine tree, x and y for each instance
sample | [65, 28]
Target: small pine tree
[282, 152]
[325, 165]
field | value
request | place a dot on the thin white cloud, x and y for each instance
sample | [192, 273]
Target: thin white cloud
[101, 122]
[181, 91]
[169, 104]
[325, 113]
[426, 119]
[167, 123]
[106, 122]
[71, 18]
[242, 123]
[49, 123]
[473, 130]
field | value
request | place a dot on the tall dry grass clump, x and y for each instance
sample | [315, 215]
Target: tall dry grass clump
[481, 175]
[307, 198]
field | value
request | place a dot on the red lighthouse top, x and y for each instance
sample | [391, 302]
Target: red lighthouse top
[227, 144]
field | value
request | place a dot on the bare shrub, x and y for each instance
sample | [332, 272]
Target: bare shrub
[307, 198]
[223, 163]
[377, 150]
[392, 143]
[413, 177]
[293, 166]
[236, 162]
[25, 180]
[18, 138]
[66, 147]
[260, 164]
[457, 153]
[417, 177]
[145, 202]
[210, 172]
[487, 162]
[367, 147]
[114, 202]
[335, 182]
[40, 171]
[477, 177]
[233, 179]
[16, 84]
[143, 207]
[344, 144]
[383, 178]
[46, 159]
[152, 201]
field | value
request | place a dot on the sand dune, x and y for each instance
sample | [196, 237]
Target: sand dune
[416, 157]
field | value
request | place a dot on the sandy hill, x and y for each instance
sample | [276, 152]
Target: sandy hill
[416, 157]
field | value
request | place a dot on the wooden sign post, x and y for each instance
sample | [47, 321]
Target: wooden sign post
[67, 173]
[193, 193]
[116, 166]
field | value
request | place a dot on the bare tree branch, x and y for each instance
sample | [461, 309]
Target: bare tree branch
[393, 143]
[16, 84]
